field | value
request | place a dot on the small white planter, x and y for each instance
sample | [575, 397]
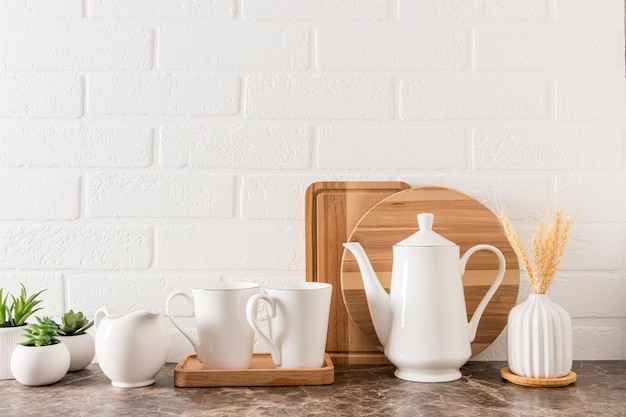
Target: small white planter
[82, 350]
[9, 338]
[32, 365]
[539, 339]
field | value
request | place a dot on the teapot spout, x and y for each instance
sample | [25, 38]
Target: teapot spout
[378, 300]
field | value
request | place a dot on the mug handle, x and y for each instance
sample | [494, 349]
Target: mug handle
[473, 324]
[251, 309]
[188, 297]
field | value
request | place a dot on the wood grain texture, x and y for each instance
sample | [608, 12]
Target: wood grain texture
[332, 211]
[538, 382]
[262, 373]
[459, 218]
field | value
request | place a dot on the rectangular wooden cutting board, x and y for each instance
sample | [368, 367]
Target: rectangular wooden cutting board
[333, 209]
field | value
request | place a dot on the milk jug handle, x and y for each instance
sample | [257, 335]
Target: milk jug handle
[473, 324]
[101, 313]
[170, 315]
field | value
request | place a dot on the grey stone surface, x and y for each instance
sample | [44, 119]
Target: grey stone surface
[358, 391]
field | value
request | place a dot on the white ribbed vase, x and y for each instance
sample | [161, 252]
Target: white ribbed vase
[539, 339]
[9, 338]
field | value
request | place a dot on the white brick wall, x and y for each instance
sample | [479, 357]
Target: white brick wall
[159, 195]
[598, 197]
[249, 47]
[218, 247]
[39, 197]
[163, 94]
[588, 10]
[323, 97]
[34, 247]
[236, 146]
[322, 10]
[41, 8]
[58, 48]
[75, 146]
[590, 98]
[461, 98]
[385, 49]
[154, 145]
[41, 96]
[475, 10]
[548, 147]
[422, 147]
[544, 47]
[190, 9]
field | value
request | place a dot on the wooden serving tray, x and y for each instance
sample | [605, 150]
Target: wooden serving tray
[262, 373]
[333, 208]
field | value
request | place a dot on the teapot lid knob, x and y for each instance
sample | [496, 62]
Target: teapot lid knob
[426, 236]
[425, 221]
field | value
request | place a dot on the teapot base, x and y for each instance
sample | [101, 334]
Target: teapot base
[428, 375]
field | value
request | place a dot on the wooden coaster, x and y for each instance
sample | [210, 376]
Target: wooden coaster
[538, 382]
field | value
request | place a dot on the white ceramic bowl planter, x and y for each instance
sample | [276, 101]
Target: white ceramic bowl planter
[82, 350]
[40, 365]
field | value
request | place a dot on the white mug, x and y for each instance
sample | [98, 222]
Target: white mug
[225, 340]
[298, 322]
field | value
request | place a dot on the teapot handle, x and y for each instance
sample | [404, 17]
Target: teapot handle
[473, 324]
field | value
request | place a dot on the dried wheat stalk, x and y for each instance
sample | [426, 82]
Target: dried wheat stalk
[548, 246]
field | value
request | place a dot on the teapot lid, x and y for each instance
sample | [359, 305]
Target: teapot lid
[425, 236]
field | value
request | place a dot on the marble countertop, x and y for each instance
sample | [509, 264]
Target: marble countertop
[600, 390]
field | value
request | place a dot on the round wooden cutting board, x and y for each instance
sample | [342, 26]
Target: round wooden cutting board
[458, 218]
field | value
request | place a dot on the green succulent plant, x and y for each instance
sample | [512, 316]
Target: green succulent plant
[16, 312]
[42, 333]
[74, 324]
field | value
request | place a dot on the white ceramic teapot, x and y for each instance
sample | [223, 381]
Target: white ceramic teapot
[131, 348]
[422, 323]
